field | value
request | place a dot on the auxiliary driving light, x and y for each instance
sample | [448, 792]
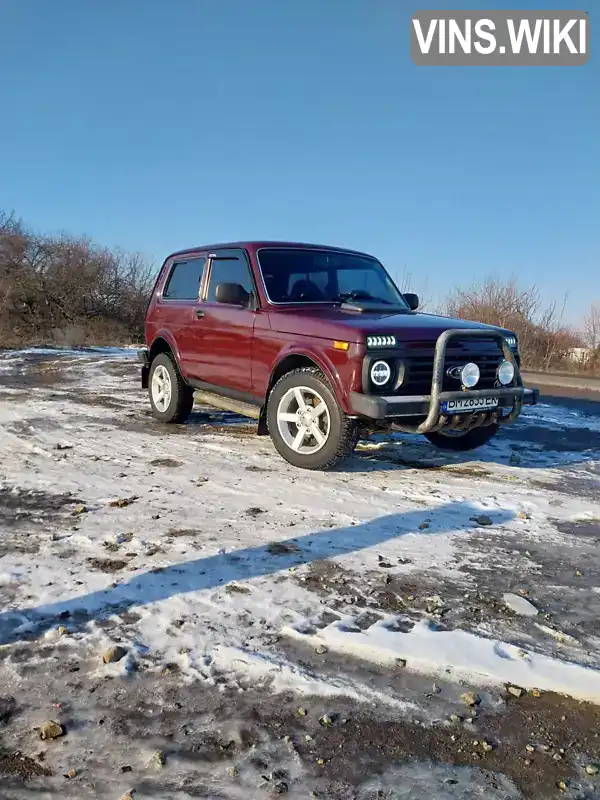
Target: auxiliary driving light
[381, 372]
[469, 375]
[506, 373]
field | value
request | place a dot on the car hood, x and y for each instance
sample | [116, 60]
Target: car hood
[332, 322]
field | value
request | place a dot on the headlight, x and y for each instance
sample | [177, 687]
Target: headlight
[381, 372]
[506, 373]
[469, 375]
[381, 341]
[512, 341]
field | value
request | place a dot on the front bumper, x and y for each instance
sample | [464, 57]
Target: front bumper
[393, 408]
[381, 407]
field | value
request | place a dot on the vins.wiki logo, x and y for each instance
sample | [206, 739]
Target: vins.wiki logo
[500, 38]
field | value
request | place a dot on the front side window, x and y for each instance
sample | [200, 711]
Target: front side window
[184, 281]
[229, 269]
[320, 276]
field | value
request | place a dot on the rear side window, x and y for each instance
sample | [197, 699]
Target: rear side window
[229, 268]
[184, 281]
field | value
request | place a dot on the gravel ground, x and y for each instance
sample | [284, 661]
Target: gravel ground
[186, 556]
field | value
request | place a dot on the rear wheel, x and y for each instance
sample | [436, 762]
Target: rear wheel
[460, 440]
[171, 399]
[306, 423]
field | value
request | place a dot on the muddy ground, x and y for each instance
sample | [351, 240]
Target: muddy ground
[373, 731]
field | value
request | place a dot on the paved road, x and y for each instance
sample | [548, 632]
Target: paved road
[579, 394]
[563, 379]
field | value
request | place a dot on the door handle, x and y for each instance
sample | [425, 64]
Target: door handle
[199, 313]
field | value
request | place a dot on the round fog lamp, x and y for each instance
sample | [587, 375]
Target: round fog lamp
[506, 373]
[381, 372]
[469, 375]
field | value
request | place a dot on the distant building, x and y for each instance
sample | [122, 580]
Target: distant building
[580, 354]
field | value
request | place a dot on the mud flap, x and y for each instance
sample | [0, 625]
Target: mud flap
[263, 429]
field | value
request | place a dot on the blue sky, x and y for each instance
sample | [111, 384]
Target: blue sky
[155, 126]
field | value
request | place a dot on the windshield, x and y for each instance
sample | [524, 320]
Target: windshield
[322, 276]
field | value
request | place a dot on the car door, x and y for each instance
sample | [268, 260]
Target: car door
[224, 333]
[177, 306]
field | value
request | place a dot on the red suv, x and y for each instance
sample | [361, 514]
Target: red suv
[320, 341]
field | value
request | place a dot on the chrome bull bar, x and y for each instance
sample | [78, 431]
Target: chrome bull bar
[435, 420]
[392, 408]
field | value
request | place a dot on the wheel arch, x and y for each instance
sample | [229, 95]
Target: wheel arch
[296, 359]
[163, 343]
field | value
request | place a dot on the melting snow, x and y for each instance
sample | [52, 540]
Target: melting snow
[520, 605]
[169, 555]
[459, 655]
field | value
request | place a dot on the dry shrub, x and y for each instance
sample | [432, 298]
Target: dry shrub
[67, 290]
[544, 341]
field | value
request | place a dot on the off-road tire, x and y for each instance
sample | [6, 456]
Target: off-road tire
[470, 440]
[182, 395]
[344, 432]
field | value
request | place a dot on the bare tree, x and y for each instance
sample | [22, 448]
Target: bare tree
[591, 337]
[591, 327]
[406, 282]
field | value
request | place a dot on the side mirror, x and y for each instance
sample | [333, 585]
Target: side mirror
[232, 294]
[412, 300]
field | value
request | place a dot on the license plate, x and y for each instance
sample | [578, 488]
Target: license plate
[464, 406]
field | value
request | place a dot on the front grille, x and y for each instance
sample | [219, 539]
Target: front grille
[486, 353]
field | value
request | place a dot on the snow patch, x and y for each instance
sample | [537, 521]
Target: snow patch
[560, 417]
[284, 676]
[8, 578]
[520, 605]
[463, 655]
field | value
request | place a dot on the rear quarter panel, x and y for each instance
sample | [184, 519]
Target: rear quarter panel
[153, 320]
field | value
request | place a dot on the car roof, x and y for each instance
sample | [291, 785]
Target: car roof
[253, 246]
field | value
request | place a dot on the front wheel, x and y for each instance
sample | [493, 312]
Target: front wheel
[460, 441]
[171, 399]
[306, 423]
